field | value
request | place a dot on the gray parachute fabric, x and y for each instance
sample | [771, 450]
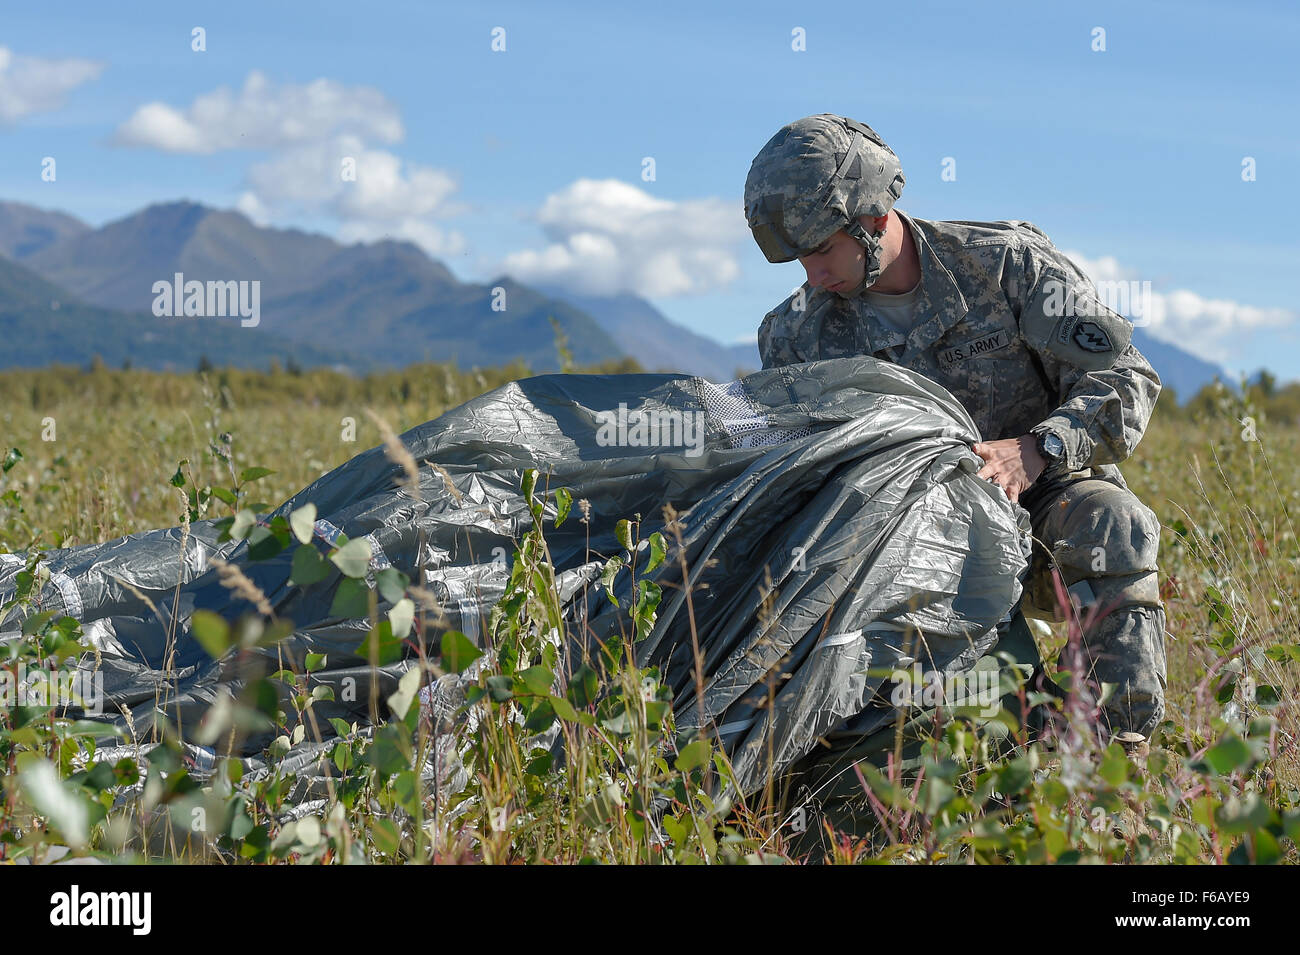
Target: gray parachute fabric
[833, 526]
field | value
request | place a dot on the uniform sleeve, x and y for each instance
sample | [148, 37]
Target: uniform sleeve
[1106, 388]
[776, 345]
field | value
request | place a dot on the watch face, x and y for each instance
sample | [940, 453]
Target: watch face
[1053, 445]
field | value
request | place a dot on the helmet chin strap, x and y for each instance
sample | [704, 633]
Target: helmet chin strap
[871, 243]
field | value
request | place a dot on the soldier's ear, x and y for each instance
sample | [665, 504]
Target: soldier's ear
[874, 224]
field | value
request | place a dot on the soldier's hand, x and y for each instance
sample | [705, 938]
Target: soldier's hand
[1013, 464]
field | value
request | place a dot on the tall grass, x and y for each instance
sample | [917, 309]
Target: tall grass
[470, 775]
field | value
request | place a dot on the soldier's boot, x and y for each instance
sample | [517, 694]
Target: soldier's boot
[1129, 826]
[1136, 746]
[1129, 823]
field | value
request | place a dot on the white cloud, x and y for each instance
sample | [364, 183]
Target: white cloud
[1106, 268]
[1217, 330]
[312, 132]
[608, 237]
[253, 207]
[388, 198]
[1184, 315]
[263, 116]
[33, 84]
[436, 241]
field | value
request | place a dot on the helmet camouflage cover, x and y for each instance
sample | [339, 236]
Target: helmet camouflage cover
[815, 176]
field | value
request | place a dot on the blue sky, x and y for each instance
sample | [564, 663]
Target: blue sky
[530, 160]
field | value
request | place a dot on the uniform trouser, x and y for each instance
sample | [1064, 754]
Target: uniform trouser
[1093, 531]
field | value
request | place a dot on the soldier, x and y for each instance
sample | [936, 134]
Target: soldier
[1014, 330]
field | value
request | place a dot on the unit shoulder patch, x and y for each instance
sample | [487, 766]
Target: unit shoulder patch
[1067, 319]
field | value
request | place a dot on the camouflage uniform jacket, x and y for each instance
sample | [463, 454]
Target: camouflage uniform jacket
[1009, 325]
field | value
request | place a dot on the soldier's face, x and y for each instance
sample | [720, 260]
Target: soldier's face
[837, 265]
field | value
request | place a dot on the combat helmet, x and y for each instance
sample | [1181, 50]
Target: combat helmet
[816, 176]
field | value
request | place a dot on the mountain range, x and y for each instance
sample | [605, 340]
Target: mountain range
[69, 291]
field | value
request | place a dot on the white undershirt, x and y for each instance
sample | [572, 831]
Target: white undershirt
[896, 311]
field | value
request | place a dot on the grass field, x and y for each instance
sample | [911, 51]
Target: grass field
[99, 449]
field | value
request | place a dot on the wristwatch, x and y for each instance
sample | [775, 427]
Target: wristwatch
[1051, 448]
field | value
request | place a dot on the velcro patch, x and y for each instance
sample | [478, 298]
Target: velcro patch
[1086, 334]
[975, 348]
[1065, 319]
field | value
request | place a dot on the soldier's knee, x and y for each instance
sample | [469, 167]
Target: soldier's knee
[1106, 532]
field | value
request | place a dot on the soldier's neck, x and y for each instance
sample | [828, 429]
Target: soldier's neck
[904, 268]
